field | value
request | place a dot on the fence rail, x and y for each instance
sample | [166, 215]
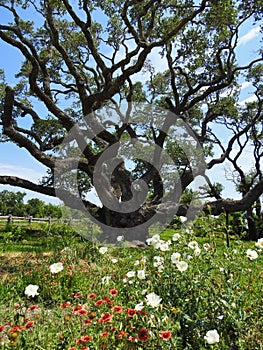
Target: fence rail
[27, 220]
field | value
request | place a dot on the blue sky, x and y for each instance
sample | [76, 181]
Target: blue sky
[18, 162]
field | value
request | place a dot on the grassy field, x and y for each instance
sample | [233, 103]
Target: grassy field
[183, 291]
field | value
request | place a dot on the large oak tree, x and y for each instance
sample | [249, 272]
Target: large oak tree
[90, 71]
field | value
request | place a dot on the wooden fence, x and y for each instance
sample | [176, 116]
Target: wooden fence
[27, 220]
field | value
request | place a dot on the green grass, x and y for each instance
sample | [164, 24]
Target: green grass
[221, 289]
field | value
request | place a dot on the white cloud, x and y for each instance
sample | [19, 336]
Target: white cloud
[19, 171]
[252, 98]
[245, 85]
[253, 33]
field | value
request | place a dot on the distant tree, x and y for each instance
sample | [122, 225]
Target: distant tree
[12, 203]
[35, 207]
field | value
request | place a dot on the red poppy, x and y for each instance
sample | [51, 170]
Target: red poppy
[131, 312]
[105, 318]
[143, 334]
[113, 292]
[91, 296]
[116, 308]
[165, 335]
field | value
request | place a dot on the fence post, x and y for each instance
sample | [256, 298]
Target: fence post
[9, 219]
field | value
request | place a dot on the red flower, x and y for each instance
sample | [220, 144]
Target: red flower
[66, 304]
[2, 328]
[131, 312]
[88, 321]
[81, 312]
[72, 348]
[84, 348]
[143, 334]
[104, 334]
[15, 329]
[100, 302]
[132, 338]
[121, 334]
[33, 307]
[165, 335]
[105, 318]
[77, 295]
[91, 296]
[77, 308]
[29, 324]
[113, 292]
[116, 308]
[84, 339]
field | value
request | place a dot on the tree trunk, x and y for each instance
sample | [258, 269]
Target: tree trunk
[132, 226]
[252, 228]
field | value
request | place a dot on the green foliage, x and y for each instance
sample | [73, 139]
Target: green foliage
[12, 203]
[219, 290]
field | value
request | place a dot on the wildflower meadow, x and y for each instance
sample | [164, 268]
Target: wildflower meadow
[181, 291]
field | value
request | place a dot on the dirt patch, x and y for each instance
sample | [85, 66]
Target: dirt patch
[12, 263]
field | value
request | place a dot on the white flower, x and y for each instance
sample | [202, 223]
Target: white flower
[175, 258]
[141, 274]
[105, 279]
[160, 268]
[212, 337]
[131, 274]
[153, 240]
[139, 306]
[56, 267]
[114, 261]
[158, 260]
[193, 245]
[120, 238]
[103, 250]
[183, 218]
[153, 300]
[206, 246]
[137, 262]
[31, 290]
[176, 237]
[162, 245]
[182, 266]
[197, 251]
[259, 243]
[252, 254]
[144, 291]
[143, 260]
